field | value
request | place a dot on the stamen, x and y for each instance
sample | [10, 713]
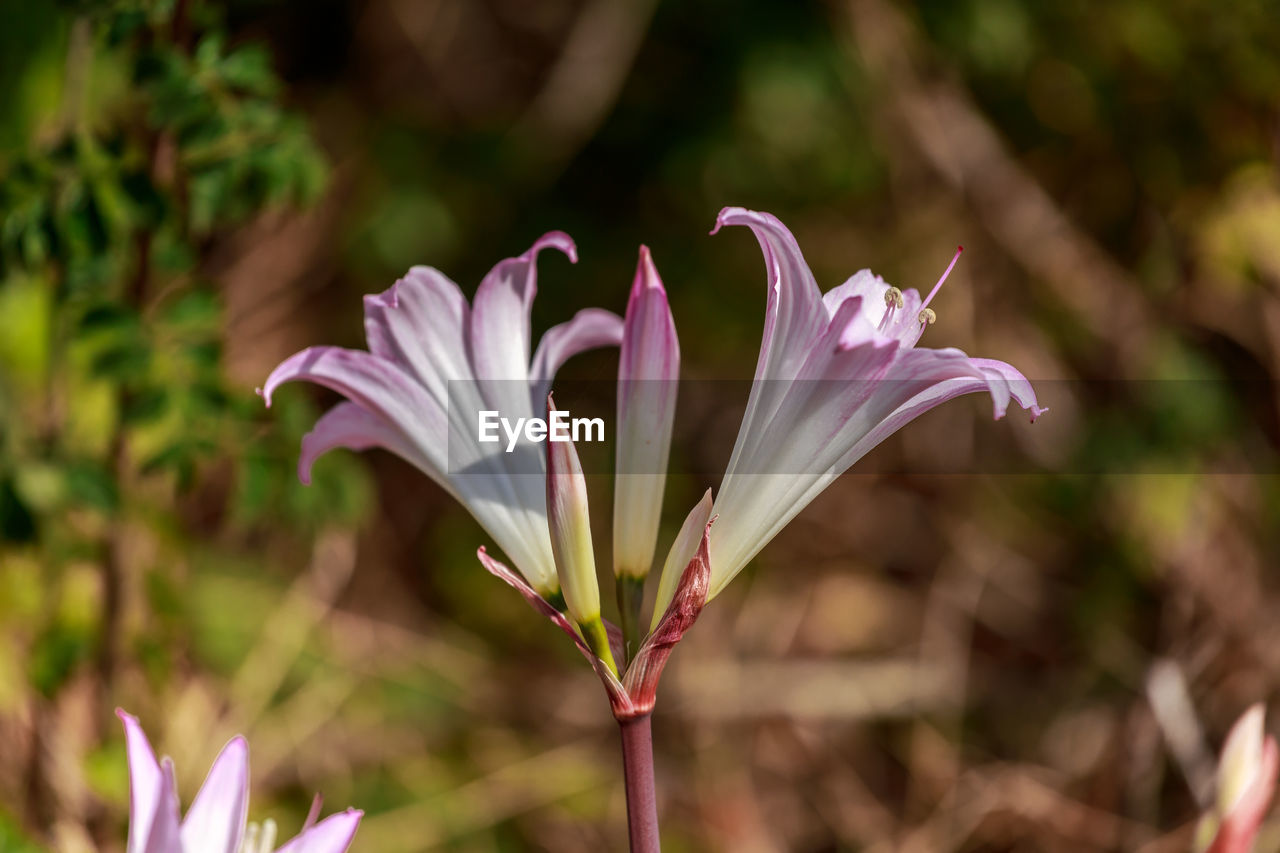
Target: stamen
[250, 843]
[945, 273]
[893, 301]
[267, 843]
[927, 317]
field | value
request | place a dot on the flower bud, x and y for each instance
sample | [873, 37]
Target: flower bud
[570, 526]
[1246, 782]
[648, 367]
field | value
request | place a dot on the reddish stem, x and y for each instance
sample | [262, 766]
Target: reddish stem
[637, 766]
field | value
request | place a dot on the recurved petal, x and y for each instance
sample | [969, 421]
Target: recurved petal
[421, 323]
[331, 835]
[590, 328]
[500, 337]
[215, 821]
[351, 426]
[924, 378]
[794, 317]
[794, 314]
[379, 386]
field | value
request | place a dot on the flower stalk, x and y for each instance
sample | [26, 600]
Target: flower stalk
[637, 767]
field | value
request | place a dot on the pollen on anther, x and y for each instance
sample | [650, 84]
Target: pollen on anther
[893, 298]
[927, 317]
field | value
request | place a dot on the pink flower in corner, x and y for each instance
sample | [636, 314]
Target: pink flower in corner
[1246, 783]
[433, 357]
[215, 823]
[838, 373]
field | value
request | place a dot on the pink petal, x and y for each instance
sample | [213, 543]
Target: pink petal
[820, 414]
[331, 835]
[924, 379]
[903, 324]
[500, 337]
[794, 313]
[380, 387]
[618, 698]
[589, 329]
[420, 323]
[215, 821]
[166, 834]
[648, 374]
[146, 783]
[351, 426]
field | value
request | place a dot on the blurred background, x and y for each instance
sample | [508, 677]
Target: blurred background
[934, 656]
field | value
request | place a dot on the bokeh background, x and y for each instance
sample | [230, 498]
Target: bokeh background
[934, 656]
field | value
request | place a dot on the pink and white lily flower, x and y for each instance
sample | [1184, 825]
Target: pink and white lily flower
[215, 823]
[433, 362]
[838, 373]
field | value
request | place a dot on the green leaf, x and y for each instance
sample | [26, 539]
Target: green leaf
[109, 316]
[125, 361]
[89, 485]
[55, 655]
[17, 524]
[145, 406]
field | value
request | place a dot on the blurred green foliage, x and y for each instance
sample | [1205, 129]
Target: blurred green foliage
[156, 137]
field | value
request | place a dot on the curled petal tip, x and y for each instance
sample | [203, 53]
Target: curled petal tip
[741, 216]
[720, 219]
[556, 240]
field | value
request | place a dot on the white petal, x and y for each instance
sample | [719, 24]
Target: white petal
[331, 835]
[215, 821]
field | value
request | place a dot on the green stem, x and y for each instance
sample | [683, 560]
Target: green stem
[630, 592]
[598, 641]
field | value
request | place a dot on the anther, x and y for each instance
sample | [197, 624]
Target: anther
[927, 317]
[893, 298]
[250, 842]
[267, 841]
